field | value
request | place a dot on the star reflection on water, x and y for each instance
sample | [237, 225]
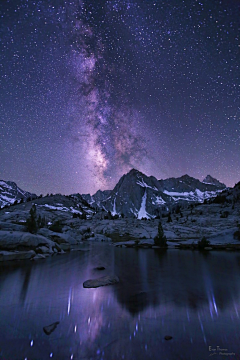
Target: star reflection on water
[191, 297]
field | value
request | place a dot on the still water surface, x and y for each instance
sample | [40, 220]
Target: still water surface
[191, 296]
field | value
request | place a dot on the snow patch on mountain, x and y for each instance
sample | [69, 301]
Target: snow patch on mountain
[143, 184]
[158, 201]
[61, 208]
[7, 199]
[114, 212]
[197, 195]
[10, 192]
[4, 184]
[142, 212]
[74, 211]
[134, 211]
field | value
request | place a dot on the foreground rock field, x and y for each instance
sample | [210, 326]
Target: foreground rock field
[217, 222]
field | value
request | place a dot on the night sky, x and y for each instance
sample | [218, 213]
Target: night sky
[91, 89]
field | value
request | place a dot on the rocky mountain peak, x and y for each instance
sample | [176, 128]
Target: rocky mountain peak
[10, 192]
[212, 181]
[187, 178]
[134, 172]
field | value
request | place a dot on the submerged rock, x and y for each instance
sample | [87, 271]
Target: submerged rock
[102, 281]
[43, 250]
[16, 255]
[168, 337]
[100, 268]
[39, 256]
[50, 328]
[100, 237]
[65, 246]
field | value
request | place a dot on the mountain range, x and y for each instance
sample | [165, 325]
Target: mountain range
[135, 194]
[10, 193]
[139, 195]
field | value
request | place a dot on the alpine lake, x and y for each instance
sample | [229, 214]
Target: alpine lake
[168, 304]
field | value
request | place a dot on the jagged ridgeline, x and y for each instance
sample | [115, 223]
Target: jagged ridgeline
[135, 195]
[142, 196]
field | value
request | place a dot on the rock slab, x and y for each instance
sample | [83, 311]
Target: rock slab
[50, 328]
[102, 281]
[16, 255]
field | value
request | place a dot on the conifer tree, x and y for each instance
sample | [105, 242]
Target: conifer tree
[31, 222]
[160, 239]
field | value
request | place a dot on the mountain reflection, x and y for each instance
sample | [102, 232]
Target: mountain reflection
[25, 284]
[177, 278]
[191, 296]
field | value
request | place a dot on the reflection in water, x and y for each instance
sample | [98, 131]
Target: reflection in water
[26, 274]
[192, 297]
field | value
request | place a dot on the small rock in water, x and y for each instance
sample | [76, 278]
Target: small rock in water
[102, 281]
[50, 328]
[100, 268]
[168, 337]
[39, 256]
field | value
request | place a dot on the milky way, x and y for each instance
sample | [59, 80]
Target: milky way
[90, 89]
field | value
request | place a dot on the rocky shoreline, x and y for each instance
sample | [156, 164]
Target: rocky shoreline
[71, 233]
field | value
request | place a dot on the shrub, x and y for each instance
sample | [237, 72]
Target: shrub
[224, 215]
[31, 223]
[41, 221]
[84, 216]
[56, 226]
[160, 239]
[237, 185]
[169, 218]
[178, 209]
[75, 215]
[236, 235]
[203, 243]
[219, 199]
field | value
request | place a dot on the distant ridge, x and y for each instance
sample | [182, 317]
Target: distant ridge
[139, 195]
[135, 194]
[10, 193]
[210, 180]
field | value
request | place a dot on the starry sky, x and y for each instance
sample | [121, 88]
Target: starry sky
[91, 89]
